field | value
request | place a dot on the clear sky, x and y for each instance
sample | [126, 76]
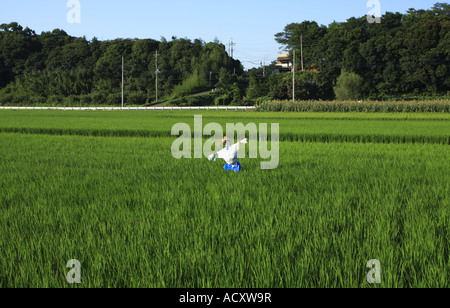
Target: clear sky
[251, 23]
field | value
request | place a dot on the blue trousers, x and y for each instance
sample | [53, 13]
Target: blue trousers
[231, 168]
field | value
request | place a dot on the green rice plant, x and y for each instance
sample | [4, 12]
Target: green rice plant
[320, 127]
[136, 217]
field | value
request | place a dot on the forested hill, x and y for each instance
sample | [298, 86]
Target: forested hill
[57, 64]
[404, 54]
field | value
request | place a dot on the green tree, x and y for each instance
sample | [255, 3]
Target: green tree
[73, 55]
[256, 88]
[213, 57]
[349, 86]
[309, 33]
[108, 68]
[16, 46]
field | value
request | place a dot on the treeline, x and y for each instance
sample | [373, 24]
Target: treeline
[58, 69]
[404, 54]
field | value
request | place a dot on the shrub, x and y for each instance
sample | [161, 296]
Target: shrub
[54, 101]
[135, 98]
[5, 99]
[349, 86]
[97, 98]
[114, 99]
[221, 100]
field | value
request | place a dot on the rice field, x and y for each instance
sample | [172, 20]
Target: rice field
[103, 188]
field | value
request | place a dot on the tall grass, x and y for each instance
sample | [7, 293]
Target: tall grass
[314, 127]
[356, 106]
[134, 216]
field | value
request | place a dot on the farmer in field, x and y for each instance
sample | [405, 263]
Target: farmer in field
[229, 154]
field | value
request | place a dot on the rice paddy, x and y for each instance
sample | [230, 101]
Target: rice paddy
[104, 189]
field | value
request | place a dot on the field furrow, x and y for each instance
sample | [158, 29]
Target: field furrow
[135, 216]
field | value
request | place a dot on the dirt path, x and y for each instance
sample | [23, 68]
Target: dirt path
[159, 105]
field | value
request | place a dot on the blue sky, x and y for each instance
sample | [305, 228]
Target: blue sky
[251, 23]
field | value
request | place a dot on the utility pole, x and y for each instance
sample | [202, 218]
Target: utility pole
[263, 65]
[231, 53]
[156, 72]
[264, 68]
[122, 81]
[293, 79]
[231, 49]
[301, 46]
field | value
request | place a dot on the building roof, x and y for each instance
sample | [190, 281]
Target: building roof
[284, 56]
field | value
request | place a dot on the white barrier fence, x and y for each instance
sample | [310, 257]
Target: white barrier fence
[230, 108]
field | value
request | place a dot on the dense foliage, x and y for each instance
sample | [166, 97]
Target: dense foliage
[58, 69]
[405, 54]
